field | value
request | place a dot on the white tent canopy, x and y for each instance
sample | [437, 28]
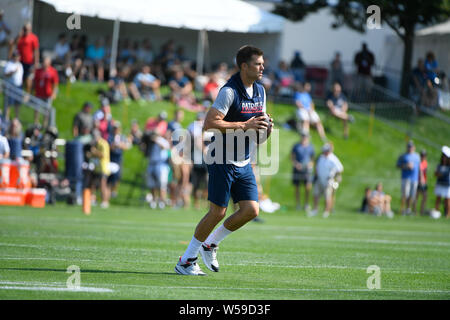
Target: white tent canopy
[441, 28]
[233, 16]
[210, 15]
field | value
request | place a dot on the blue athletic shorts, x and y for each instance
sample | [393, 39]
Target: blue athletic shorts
[227, 180]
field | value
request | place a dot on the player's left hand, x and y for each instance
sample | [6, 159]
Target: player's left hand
[270, 123]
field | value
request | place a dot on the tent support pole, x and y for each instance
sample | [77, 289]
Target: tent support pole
[201, 51]
[114, 46]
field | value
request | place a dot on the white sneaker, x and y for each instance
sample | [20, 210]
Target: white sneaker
[190, 268]
[275, 205]
[149, 197]
[161, 204]
[312, 213]
[326, 214]
[104, 205]
[266, 206]
[153, 204]
[209, 256]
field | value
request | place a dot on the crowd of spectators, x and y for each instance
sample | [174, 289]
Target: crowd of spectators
[102, 142]
[171, 174]
[140, 72]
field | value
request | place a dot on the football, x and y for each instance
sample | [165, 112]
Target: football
[264, 134]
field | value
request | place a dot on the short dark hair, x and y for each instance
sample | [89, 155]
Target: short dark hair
[245, 53]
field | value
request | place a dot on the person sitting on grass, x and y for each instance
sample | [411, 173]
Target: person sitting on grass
[379, 202]
[337, 103]
[145, 86]
[306, 113]
[182, 91]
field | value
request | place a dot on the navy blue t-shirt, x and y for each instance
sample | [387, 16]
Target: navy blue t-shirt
[444, 178]
[242, 108]
[303, 154]
[338, 101]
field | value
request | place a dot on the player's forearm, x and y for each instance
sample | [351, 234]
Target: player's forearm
[223, 125]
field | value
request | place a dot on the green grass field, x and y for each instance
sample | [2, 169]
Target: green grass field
[130, 253]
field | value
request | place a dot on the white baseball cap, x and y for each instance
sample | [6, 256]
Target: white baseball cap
[446, 151]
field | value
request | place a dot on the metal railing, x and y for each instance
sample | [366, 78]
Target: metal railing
[11, 92]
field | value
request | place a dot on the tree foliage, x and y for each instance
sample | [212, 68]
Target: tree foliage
[398, 14]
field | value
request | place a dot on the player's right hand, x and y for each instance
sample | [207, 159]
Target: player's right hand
[256, 123]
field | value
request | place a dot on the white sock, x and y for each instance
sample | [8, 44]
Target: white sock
[218, 235]
[192, 250]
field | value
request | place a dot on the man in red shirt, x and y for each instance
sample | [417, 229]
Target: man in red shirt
[28, 47]
[45, 84]
[159, 123]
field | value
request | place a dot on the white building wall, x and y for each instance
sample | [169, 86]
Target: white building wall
[222, 45]
[318, 41]
[17, 12]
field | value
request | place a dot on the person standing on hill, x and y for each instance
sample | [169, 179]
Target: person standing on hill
[302, 156]
[328, 175]
[422, 187]
[409, 163]
[46, 81]
[442, 189]
[364, 61]
[28, 47]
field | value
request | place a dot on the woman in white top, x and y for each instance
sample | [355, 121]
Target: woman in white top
[14, 74]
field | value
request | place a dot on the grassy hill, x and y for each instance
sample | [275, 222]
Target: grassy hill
[368, 156]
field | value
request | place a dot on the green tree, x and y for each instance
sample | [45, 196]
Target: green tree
[402, 16]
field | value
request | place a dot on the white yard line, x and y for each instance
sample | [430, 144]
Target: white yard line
[81, 289]
[54, 286]
[356, 240]
[283, 289]
[264, 264]
[44, 259]
[133, 225]
[43, 286]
